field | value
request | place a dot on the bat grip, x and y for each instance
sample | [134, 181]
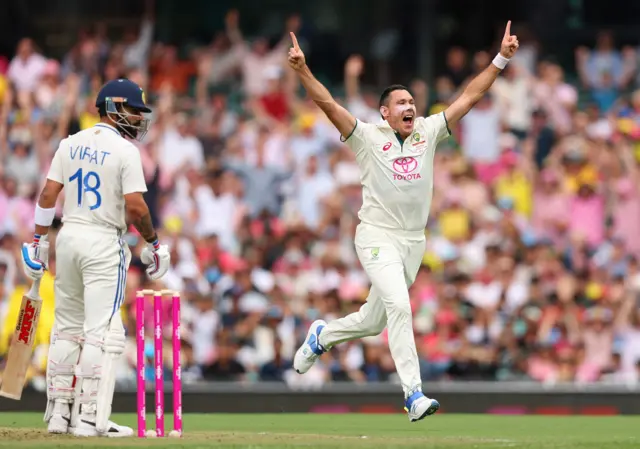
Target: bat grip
[34, 291]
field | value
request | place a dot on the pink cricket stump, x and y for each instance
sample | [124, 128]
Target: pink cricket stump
[142, 408]
[177, 369]
[157, 343]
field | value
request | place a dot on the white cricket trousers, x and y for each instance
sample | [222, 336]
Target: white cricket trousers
[391, 260]
[91, 275]
[91, 269]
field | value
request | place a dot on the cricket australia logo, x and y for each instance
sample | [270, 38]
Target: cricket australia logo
[375, 252]
[418, 143]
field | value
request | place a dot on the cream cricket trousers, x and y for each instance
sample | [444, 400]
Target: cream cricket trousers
[91, 276]
[91, 269]
[391, 260]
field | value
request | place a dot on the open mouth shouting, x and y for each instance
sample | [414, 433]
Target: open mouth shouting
[408, 118]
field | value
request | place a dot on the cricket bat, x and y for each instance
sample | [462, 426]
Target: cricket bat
[19, 357]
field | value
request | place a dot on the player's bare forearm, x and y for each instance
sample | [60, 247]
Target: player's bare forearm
[140, 217]
[339, 116]
[318, 93]
[47, 200]
[474, 91]
[481, 84]
[144, 226]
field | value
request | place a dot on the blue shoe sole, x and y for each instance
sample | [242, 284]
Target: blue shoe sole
[309, 335]
[435, 406]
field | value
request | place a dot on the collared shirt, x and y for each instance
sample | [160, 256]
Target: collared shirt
[396, 176]
[97, 167]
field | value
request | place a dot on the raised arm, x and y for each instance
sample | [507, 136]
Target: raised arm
[339, 116]
[481, 83]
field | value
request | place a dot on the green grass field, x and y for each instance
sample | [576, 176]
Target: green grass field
[22, 430]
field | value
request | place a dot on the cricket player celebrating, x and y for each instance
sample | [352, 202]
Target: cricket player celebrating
[101, 173]
[396, 164]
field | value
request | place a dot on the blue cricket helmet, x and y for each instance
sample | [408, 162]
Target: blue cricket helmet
[112, 99]
[123, 91]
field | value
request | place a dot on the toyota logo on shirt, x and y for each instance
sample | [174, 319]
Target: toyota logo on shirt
[404, 168]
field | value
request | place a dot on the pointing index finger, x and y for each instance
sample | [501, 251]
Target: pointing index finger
[295, 41]
[507, 31]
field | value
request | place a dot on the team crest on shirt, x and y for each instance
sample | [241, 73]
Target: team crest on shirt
[418, 144]
[375, 252]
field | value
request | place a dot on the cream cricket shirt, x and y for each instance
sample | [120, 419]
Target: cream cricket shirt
[397, 177]
[97, 167]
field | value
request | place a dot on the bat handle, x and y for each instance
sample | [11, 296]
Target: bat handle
[34, 291]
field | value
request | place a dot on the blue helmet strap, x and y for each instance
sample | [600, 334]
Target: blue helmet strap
[121, 118]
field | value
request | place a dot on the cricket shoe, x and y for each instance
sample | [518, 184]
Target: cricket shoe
[58, 424]
[311, 349]
[418, 406]
[86, 427]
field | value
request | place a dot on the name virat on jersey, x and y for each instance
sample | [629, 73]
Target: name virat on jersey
[86, 153]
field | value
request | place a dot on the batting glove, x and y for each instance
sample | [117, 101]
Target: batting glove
[35, 256]
[158, 258]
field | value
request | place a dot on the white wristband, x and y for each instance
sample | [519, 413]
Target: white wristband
[500, 61]
[44, 217]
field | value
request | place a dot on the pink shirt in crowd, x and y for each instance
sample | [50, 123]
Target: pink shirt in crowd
[548, 210]
[586, 218]
[626, 215]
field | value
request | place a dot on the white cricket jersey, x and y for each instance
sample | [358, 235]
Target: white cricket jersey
[97, 167]
[397, 177]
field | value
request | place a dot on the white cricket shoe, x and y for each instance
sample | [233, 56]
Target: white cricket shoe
[418, 406]
[86, 427]
[311, 349]
[58, 424]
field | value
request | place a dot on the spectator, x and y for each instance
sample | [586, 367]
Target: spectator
[583, 204]
[313, 187]
[137, 46]
[26, 67]
[457, 69]
[514, 94]
[480, 137]
[550, 207]
[274, 370]
[179, 134]
[603, 70]
[226, 367]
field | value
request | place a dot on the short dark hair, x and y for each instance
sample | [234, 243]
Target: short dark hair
[385, 93]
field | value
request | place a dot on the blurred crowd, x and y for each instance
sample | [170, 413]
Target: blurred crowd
[532, 269]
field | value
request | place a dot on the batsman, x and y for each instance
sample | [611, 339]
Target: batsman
[101, 172]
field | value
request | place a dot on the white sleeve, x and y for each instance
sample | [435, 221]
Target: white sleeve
[437, 127]
[132, 174]
[55, 171]
[358, 138]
